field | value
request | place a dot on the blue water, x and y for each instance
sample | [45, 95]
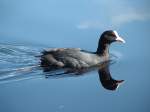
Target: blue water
[28, 27]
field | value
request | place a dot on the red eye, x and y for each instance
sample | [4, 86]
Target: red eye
[113, 35]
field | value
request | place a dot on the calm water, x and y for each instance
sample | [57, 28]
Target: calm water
[25, 32]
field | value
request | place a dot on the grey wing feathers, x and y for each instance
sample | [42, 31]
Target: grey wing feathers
[63, 57]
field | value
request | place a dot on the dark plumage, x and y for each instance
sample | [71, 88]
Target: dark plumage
[76, 58]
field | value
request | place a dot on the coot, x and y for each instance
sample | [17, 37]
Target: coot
[76, 58]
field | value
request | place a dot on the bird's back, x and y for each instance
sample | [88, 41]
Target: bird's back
[69, 57]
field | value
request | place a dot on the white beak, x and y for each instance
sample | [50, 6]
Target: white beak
[119, 39]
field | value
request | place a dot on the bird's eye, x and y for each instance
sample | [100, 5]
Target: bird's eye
[112, 35]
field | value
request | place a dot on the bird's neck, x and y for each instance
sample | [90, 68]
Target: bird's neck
[103, 50]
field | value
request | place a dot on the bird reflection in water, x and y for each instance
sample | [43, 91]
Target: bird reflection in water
[105, 77]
